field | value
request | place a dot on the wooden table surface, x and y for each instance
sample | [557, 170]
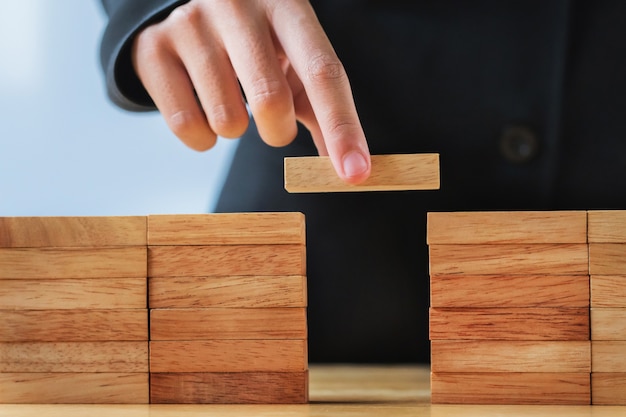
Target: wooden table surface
[335, 391]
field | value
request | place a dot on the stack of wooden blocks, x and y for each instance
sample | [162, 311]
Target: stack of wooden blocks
[510, 307]
[227, 296]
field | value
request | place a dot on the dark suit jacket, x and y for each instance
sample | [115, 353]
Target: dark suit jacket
[524, 100]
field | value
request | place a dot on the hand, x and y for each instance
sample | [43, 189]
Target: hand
[284, 62]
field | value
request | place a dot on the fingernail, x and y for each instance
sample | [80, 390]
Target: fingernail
[354, 164]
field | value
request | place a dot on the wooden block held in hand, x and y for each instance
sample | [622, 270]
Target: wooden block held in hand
[539, 259]
[511, 388]
[608, 356]
[227, 229]
[608, 324]
[228, 356]
[509, 324]
[230, 388]
[608, 388]
[74, 388]
[315, 174]
[81, 357]
[510, 356]
[608, 291]
[509, 291]
[507, 227]
[45, 263]
[607, 258]
[228, 323]
[36, 232]
[230, 291]
[607, 226]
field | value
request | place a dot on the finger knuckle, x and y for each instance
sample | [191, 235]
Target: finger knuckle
[227, 121]
[186, 124]
[325, 67]
[188, 14]
[268, 95]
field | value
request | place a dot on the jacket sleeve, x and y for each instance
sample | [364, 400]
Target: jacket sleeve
[125, 19]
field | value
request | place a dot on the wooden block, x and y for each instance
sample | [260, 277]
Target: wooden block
[228, 323]
[315, 174]
[511, 388]
[507, 227]
[74, 388]
[37, 232]
[73, 325]
[509, 291]
[227, 229]
[63, 357]
[608, 388]
[233, 291]
[608, 324]
[510, 356]
[509, 324]
[230, 388]
[539, 259]
[607, 258]
[608, 291]
[608, 356]
[229, 356]
[80, 293]
[45, 263]
[201, 261]
[608, 226]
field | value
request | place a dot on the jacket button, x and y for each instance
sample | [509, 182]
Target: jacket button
[518, 144]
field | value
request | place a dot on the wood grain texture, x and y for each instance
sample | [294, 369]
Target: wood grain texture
[511, 388]
[608, 356]
[509, 291]
[46, 263]
[510, 356]
[74, 357]
[507, 227]
[190, 261]
[74, 388]
[229, 356]
[607, 258]
[608, 323]
[539, 259]
[36, 232]
[228, 323]
[608, 388]
[227, 229]
[73, 325]
[229, 388]
[608, 226]
[231, 291]
[509, 324]
[79, 293]
[608, 291]
[315, 174]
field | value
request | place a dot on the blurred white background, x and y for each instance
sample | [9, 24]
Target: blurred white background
[64, 148]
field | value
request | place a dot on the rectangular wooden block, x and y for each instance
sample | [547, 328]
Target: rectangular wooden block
[608, 388]
[509, 324]
[608, 226]
[73, 325]
[74, 388]
[200, 261]
[608, 356]
[510, 356]
[89, 357]
[231, 291]
[539, 259]
[227, 229]
[228, 323]
[229, 356]
[511, 388]
[37, 232]
[230, 388]
[79, 293]
[315, 174]
[607, 258]
[608, 324]
[507, 227]
[608, 291]
[46, 263]
[509, 291]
